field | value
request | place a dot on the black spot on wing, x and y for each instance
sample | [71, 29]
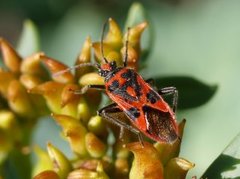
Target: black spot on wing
[133, 113]
[152, 96]
[113, 86]
[159, 124]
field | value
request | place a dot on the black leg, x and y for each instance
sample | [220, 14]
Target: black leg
[113, 108]
[151, 82]
[87, 87]
[170, 91]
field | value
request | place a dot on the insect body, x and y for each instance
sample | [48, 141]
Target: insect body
[144, 106]
[137, 99]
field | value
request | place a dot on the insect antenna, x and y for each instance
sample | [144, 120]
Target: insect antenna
[75, 67]
[101, 43]
[126, 50]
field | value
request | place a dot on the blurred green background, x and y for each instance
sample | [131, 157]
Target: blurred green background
[196, 38]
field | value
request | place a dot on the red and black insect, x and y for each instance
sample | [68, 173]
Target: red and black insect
[137, 99]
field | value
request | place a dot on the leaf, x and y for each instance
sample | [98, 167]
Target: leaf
[227, 165]
[137, 15]
[29, 39]
[191, 92]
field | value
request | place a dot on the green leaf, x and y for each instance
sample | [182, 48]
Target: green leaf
[29, 39]
[227, 165]
[137, 15]
[192, 93]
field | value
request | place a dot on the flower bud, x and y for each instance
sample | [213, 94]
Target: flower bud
[97, 125]
[32, 66]
[48, 174]
[43, 161]
[95, 146]
[30, 81]
[135, 35]
[146, 163]
[177, 168]
[84, 112]
[168, 151]
[61, 164]
[133, 57]
[84, 57]
[5, 79]
[121, 168]
[19, 100]
[84, 173]
[10, 57]
[90, 79]
[75, 133]
[114, 35]
[68, 95]
[52, 93]
[109, 53]
[55, 66]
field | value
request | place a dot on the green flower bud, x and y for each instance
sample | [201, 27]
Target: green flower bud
[61, 164]
[43, 161]
[91, 78]
[177, 168]
[97, 125]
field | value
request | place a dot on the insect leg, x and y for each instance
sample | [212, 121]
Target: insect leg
[170, 91]
[87, 87]
[151, 82]
[113, 108]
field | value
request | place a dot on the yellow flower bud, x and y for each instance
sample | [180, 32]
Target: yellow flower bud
[146, 163]
[87, 174]
[55, 66]
[52, 93]
[97, 125]
[5, 79]
[61, 164]
[95, 146]
[32, 66]
[135, 35]
[177, 168]
[114, 35]
[121, 168]
[19, 100]
[84, 57]
[75, 133]
[43, 161]
[30, 81]
[10, 57]
[91, 79]
[84, 112]
[48, 174]
[133, 57]
[68, 95]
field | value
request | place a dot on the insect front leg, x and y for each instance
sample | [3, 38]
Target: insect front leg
[170, 91]
[87, 87]
[113, 108]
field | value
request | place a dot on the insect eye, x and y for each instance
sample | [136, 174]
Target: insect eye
[113, 64]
